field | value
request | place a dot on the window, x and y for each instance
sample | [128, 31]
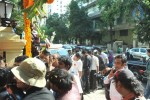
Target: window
[123, 32]
[135, 50]
[143, 50]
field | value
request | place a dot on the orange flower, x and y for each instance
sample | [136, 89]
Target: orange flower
[30, 3]
[27, 3]
[50, 1]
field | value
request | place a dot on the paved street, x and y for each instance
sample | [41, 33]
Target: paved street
[96, 95]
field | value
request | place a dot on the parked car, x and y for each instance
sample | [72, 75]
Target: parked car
[67, 47]
[60, 51]
[88, 47]
[57, 49]
[138, 53]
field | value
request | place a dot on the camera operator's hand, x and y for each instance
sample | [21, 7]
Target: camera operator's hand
[111, 74]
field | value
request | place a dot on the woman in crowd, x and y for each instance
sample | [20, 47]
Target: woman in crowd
[63, 85]
[66, 63]
[128, 86]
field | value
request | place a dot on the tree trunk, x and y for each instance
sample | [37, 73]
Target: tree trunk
[111, 37]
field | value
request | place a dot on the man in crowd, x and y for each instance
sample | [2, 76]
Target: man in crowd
[45, 57]
[86, 71]
[19, 59]
[94, 68]
[30, 77]
[119, 64]
[147, 90]
[103, 56]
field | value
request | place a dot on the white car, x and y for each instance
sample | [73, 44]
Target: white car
[60, 51]
[138, 53]
[67, 47]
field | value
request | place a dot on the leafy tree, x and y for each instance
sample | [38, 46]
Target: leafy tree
[108, 13]
[80, 24]
[57, 24]
[143, 26]
[17, 16]
[112, 9]
[147, 3]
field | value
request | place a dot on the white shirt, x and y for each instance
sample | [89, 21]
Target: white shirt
[76, 67]
[104, 57]
[113, 93]
[74, 70]
[95, 63]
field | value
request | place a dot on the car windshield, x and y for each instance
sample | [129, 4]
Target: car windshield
[67, 47]
[61, 52]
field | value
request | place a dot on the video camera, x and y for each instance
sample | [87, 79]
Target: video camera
[6, 77]
[8, 88]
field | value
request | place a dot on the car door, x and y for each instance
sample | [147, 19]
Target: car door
[135, 53]
[143, 52]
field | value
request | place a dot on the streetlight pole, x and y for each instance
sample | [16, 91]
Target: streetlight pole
[5, 12]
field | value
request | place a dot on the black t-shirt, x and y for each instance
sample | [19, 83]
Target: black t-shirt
[86, 62]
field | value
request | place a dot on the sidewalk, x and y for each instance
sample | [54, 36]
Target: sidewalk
[96, 95]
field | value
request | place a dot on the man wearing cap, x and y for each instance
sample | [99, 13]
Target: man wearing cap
[30, 77]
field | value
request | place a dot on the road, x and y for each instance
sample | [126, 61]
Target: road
[96, 95]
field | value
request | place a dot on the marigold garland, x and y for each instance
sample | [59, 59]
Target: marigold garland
[50, 1]
[27, 29]
[30, 3]
[27, 4]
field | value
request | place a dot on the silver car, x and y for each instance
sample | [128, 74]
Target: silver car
[138, 53]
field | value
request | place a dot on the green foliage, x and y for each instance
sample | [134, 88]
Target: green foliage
[111, 9]
[36, 9]
[80, 24]
[57, 23]
[146, 2]
[17, 15]
[143, 27]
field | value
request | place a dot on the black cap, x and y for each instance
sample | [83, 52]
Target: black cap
[46, 52]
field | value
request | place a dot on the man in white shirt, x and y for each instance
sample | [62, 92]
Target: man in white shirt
[77, 65]
[119, 64]
[76, 70]
[94, 68]
[103, 56]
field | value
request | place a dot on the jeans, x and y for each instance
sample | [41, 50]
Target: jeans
[147, 90]
[93, 84]
[85, 80]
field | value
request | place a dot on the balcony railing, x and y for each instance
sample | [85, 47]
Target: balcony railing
[90, 3]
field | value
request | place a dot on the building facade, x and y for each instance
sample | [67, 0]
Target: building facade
[122, 34]
[58, 6]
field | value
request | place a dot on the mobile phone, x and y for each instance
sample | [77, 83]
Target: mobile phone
[114, 70]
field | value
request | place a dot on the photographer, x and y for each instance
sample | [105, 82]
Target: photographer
[8, 89]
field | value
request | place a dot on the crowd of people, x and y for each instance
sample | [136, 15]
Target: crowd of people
[53, 77]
